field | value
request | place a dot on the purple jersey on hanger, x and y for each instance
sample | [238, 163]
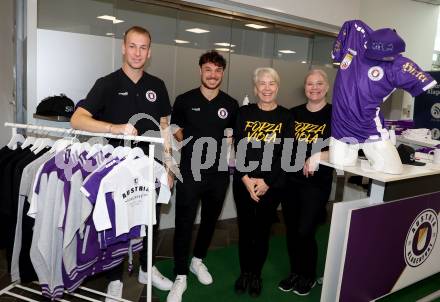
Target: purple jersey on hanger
[361, 85]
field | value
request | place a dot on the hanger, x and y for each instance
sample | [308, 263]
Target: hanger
[135, 152]
[28, 141]
[117, 151]
[16, 138]
[76, 148]
[121, 152]
[59, 145]
[94, 150]
[36, 144]
[86, 146]
[107, 149]
[45, 142]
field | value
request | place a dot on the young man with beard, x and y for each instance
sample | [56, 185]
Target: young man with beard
[108, 108]
[204, 113]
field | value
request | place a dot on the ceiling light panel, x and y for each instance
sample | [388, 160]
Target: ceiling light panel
[110, 18]
[287, 51]
[197, 30]
[181, 41]
[224, 49]
[224, 44]
[255, 26]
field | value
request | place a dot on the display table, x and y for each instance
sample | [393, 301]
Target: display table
[413, 181]
[387, 241]
[417, 143]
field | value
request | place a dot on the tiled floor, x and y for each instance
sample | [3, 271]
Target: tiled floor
[226, 234]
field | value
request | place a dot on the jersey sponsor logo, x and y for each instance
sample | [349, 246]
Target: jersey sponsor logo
[195, 109]
[421, 237]
[412, 70]
[375, 73]
[151, 95]
[222, 113]
[346, 61]
[123, 93]
[435, 111]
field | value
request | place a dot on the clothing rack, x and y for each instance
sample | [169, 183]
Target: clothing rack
[150, 178]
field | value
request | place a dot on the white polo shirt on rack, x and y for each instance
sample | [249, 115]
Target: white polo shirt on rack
[129, 189]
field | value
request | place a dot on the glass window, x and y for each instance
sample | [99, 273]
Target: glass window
[322, 47]
[179, 37]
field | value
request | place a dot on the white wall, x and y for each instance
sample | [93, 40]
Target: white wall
[6, 68]
[416, 23]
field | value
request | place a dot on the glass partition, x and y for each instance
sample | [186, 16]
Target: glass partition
[86, 35]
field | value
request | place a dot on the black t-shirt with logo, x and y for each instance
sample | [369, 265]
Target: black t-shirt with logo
[266, 127]
[116, 99]
[311, 132]
[200, 119]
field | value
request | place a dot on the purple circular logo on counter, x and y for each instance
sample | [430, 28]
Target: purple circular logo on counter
[421, 237]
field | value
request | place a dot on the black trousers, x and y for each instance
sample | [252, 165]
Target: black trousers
[210, 191]
[117, 272]
[254, 223]
[303, 211]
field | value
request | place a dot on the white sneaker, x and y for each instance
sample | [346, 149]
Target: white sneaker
[177, 290]
[114, 289]
[158, 280]
[201, 271]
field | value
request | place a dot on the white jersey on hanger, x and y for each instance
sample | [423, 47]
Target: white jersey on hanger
[129, 189]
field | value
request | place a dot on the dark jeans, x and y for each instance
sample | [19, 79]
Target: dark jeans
[117, 272]
[302, 211]
[211, 191]
[254, 223]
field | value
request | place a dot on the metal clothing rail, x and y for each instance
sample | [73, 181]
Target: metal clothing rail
[70, 131]
[151, 203]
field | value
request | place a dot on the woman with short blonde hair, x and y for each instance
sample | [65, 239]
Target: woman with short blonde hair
[256, 191]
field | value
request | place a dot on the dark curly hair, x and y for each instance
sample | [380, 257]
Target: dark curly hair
[214, 57]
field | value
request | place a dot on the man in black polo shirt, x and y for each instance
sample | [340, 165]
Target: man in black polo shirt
[110, 106]
[204, 114]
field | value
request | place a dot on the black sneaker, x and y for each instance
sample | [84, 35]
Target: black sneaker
[303, 286]
[255, 286]
[286, 285]
[241, 284]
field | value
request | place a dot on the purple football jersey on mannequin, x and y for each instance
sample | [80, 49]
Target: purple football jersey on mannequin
[362, 84]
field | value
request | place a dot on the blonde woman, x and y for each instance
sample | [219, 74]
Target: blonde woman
[259, 127]
[308, 189]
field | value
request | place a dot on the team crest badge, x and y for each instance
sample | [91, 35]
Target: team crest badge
[375, 73]
[222, 113]
[151, 95]
[435, 111]
[346, 61]
[421, 237]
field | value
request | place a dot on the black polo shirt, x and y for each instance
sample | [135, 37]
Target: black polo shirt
[116, 99]
[199, 118]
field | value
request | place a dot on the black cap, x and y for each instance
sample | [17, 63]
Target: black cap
[58, 105]
[407, 155]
